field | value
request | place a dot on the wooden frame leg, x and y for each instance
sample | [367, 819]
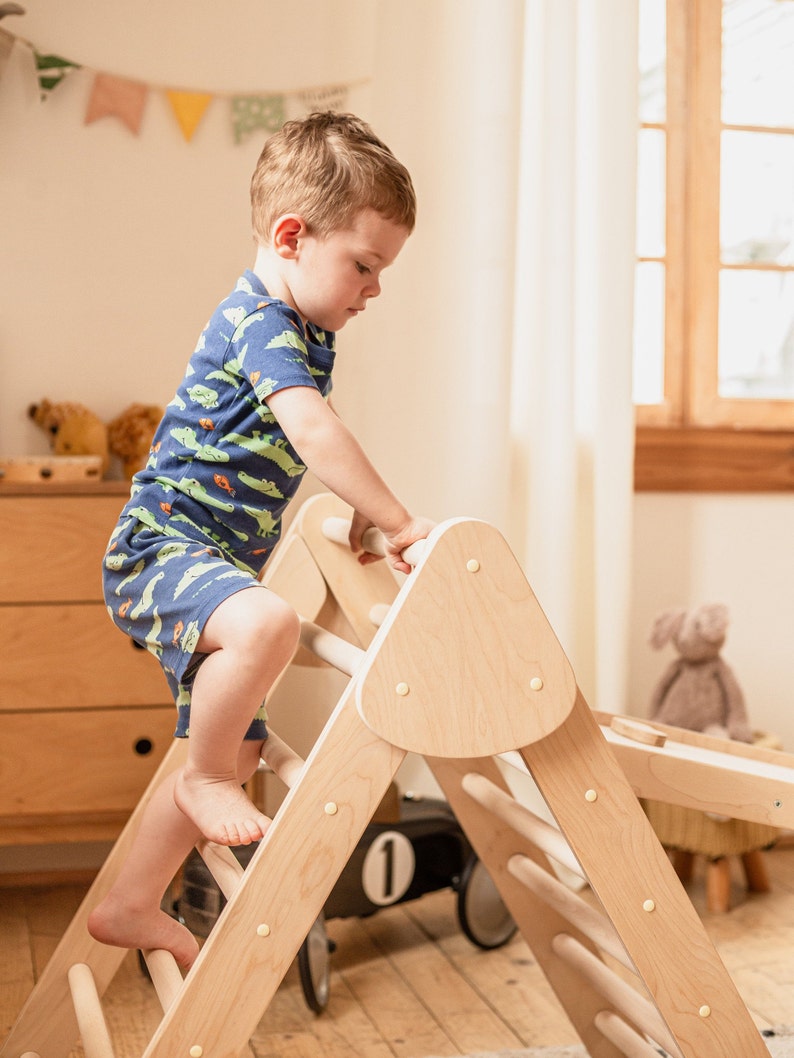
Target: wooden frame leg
[683, 863]
[718, 885]
[755, 871]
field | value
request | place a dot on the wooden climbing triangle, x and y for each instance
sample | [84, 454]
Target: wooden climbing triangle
[465, 670]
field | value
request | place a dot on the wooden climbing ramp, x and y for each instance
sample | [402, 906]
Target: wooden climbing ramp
[461, 666]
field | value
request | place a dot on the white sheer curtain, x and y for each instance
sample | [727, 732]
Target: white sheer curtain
[510, 369]
[571, 412]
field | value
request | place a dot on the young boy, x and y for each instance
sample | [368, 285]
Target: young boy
[331, 209]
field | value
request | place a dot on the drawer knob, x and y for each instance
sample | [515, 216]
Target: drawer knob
[143, 747]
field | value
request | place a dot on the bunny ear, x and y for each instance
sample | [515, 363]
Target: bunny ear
[665, 627]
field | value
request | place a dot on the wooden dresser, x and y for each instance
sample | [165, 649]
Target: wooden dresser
[85, 715]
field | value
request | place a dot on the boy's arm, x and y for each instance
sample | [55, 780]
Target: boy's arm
[333, 454]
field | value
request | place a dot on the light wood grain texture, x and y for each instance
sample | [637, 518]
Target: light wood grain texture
[465, 634]
[354, 588]
[484, 675]
[90, 1019]
[47, 1022]
[86, 716]
[755, 940]
[664, 939]
[710, 774]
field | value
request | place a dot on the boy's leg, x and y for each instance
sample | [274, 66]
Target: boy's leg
[130, 915]
[249, 639]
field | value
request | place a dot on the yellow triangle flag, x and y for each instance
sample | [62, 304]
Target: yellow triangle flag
[188, 107]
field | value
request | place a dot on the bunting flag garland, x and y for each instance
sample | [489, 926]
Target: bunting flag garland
[333, 97]
[188, 108]
[256, 112]
[125, 99]
[6, 47]
[51, 70]
[119, 98]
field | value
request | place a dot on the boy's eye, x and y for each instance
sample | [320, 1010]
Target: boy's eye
[362, 268]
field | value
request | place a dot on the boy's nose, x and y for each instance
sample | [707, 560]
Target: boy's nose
[372, 289]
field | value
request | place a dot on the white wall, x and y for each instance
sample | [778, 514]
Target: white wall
[115, 249]
[732, 549]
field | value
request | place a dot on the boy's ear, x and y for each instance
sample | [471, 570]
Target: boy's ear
[287, 231]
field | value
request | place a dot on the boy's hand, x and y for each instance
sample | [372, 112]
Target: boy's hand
[395, 541]
[358, 526]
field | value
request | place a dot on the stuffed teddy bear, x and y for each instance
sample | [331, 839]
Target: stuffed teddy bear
[130, 435]
[73, 429]
[698, 691]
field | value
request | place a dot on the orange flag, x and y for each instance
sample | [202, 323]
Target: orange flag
[188, 107]
[119, 98]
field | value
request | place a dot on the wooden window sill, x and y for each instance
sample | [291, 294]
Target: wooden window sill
[682, 459]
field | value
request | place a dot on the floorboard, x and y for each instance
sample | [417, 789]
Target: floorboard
[406, 983]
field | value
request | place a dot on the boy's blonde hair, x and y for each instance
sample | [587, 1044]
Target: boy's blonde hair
[326, 168]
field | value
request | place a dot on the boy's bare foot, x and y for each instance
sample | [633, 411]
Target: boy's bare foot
[127, 926]
[220, 809]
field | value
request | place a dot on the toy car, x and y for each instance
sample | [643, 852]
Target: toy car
[423, 851]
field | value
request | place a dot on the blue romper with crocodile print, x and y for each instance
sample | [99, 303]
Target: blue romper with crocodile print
[205, 513]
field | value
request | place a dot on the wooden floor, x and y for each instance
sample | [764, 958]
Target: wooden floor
[406, 983]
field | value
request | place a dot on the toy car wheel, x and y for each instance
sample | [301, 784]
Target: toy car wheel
[483, 916]
[313, 966]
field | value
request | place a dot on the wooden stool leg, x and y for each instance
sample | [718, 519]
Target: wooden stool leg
[718, 884]
[682, 862]
[755, 871]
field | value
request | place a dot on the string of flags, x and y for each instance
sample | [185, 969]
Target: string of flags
[125, 99]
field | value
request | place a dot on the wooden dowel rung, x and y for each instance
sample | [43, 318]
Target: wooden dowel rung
[165, 974]
[282, 761]
[337, 530]
[613, 1028]
[90, 1019]
[565, 902]
[222, 864]
[616, 991]
[378, 612]
[328, 647]
[521, 819]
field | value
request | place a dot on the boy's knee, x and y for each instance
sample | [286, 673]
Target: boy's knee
[278, 625]
[287, 626]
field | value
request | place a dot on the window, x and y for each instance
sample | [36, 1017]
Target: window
[714, 303]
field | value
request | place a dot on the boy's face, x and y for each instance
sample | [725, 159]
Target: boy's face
[333, 278]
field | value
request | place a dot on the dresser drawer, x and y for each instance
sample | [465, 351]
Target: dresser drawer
[83, 763]
[51, 547]
[73, 656]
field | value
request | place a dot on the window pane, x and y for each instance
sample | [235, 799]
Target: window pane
[648, 381]
[758, 63]
[653, 49]
[757, 197]
[756, 339]
[650, 193]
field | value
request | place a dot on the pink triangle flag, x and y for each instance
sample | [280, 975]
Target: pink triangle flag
[117, 97]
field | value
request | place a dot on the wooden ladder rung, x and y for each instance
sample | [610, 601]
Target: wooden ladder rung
[87, 1007]
[331, 648]
[281, 759]
[616, 991]
[595, 925]
[165, 974]
[613, 1028]
[222, 864]
[547, 838]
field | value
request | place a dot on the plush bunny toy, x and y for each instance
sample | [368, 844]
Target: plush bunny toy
[698, 691]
